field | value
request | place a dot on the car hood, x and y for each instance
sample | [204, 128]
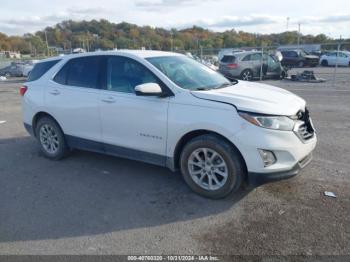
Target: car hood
[254, 97]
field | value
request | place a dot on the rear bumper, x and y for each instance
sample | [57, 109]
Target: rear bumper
[29, 129]
[234, 73]
[256, 179]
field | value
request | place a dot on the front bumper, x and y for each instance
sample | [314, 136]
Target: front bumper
[291, 152]
[29, 129]
[256, 179]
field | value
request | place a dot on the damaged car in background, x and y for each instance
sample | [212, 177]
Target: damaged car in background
[249, 65]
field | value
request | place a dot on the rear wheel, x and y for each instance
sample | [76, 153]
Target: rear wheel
[51, 138]
[211, 167]
[324, 63]
[247, 75]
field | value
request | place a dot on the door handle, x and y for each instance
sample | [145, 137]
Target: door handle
[108, 100]
[55, 92]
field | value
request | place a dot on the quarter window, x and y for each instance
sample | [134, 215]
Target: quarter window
[123, 74]
[40, 69]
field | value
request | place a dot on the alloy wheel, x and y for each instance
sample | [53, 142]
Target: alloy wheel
[207, 169]
[247, 75]
[49, 139]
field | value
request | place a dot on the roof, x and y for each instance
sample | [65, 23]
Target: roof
[135, 53]
[146, 53]
[242, 53]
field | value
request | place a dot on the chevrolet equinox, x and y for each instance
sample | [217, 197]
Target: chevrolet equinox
[167, 109]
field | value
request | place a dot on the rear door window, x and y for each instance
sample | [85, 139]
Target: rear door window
[80, 72]
[247, 58]
[286, 54]
[255, 57]
[40, 69]
[293, 54]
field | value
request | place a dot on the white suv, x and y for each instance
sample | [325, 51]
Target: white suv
[169, 110]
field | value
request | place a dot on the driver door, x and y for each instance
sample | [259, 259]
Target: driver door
[273, 67]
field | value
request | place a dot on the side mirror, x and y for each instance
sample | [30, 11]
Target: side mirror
[149, 89]
[279, 56]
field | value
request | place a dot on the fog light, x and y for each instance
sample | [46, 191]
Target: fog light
[268, 157]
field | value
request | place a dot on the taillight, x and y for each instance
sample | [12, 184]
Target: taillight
[23, 90]
[232, 66]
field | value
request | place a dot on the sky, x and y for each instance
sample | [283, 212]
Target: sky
[331, 18]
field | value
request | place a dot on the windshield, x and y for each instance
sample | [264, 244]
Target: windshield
[188, 73]
[303, 53]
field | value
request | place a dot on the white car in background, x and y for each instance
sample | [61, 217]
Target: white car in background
[340, 58]
[170, 110]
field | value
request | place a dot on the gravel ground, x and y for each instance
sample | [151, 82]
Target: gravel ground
[95, 204]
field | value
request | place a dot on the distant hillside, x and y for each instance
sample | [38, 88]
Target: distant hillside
[102, 34]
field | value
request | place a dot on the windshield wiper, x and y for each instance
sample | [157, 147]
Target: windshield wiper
[224, 85]
[202, 89]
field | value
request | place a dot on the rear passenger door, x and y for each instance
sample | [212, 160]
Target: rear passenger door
[73, 99]
[132, 126]
[256, 63]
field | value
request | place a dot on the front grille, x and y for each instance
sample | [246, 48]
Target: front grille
[304, 132]
[305, 129]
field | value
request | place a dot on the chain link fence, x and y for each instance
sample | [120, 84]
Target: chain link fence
[333, 63]
[333, 59]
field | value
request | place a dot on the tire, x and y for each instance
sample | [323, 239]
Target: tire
[247, 75]
[283, 75]
[301, 64]
[228, 162]
[51, 139]
[324, 63]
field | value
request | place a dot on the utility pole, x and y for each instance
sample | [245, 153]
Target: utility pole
[172, 41]
[336, 63]
[47, 44]
[288, 18]
[299, 33]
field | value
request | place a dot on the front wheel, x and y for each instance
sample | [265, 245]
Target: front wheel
[211, 167]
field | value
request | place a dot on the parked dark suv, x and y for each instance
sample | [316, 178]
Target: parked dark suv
[298, 58]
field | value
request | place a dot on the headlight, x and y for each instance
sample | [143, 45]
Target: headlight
[272, 122]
